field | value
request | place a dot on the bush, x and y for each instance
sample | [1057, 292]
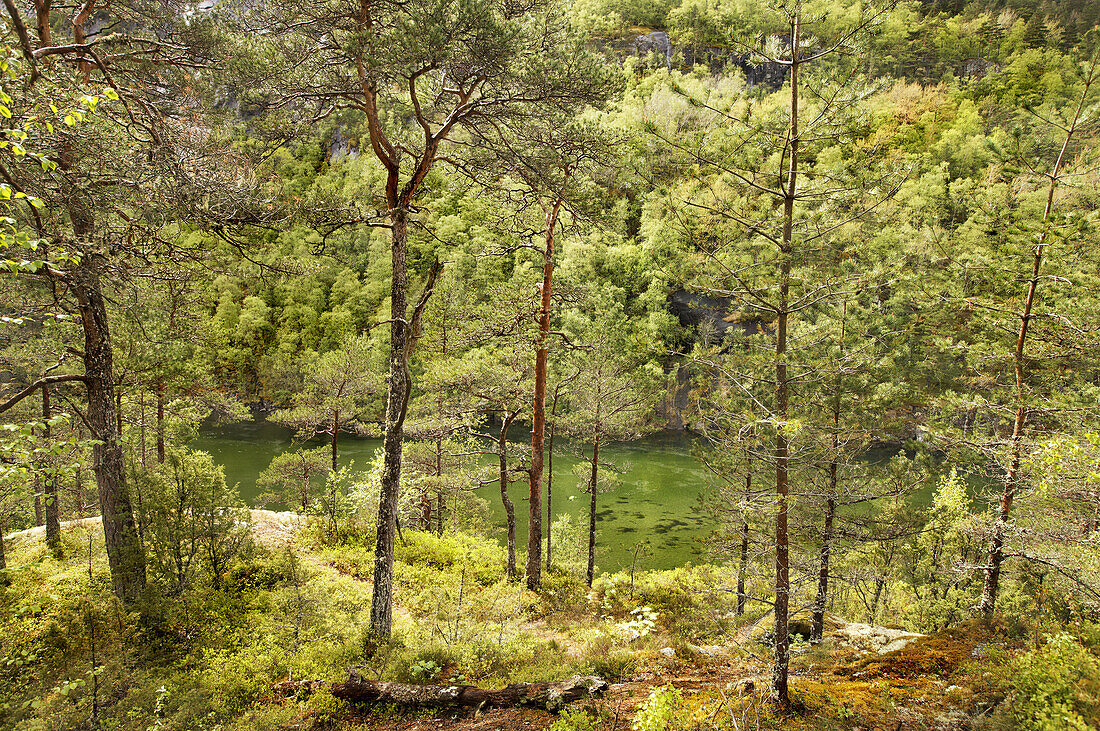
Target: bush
[1054, 687]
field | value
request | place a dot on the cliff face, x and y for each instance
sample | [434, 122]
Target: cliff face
[659, 44]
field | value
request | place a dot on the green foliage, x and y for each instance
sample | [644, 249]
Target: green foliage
[579, 719]
[1054, 687]
[188, 515]
[662, 711]
[296, 477]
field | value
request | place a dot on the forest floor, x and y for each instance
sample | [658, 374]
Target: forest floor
[860, 677]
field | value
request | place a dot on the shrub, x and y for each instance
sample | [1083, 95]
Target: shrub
[579, 719]
[662, 711]
[1054, 687]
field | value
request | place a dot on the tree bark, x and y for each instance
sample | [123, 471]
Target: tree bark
[538, 411]
[782, 560]
[592, 509]
[4, 579]
[509, 508]
[49, 489]
[335, 435]
[124, 551]
[162, 453]
[549, 487]
[549, 696]
[818, 621]
[381, 616]
[743, 566]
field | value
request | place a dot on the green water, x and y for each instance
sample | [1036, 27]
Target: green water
[657, 498]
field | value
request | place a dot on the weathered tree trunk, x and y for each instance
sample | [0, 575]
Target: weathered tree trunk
[592, 511]
[549, 696]
[818, 622]
[509, 508]
[549, 487]
[743, 566]
[49, 489]
[162, 453]
[782, 560]
[538, 411]
[5, 580]
[335, 436]
[124, 551]
[381, 615]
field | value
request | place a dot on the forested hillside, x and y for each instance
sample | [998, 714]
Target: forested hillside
[844, 255]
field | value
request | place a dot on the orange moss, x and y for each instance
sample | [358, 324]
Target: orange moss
[940, 655]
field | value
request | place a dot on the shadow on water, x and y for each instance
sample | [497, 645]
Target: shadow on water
[658, 491]
[657, 496]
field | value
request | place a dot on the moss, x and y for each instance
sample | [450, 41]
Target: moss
[941, 655]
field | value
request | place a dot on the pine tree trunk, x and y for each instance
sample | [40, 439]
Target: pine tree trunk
[49, 489]
[743, 566]
[162, 453]
[381, 617]
[335, 436]
[782, 560]
[4, 579]
[592, 509]
[509, 508]
[549, 486]
[538, 411]
[818, 626]
[124, 552]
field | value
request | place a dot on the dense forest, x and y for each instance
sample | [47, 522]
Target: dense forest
[842, 254]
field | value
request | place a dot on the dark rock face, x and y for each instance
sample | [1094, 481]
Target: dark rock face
[708, 315]
[771, 75]
[976, 68]
[655, 42]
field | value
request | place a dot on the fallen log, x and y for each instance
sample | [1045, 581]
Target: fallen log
[549, 696]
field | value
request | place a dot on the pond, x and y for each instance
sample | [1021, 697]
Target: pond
[657, 499]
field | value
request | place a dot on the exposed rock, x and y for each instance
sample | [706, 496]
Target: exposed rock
[656, 42]
[710, 317]
[868, 638]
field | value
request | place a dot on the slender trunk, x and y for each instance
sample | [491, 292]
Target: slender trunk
[880, 585]
[161, 451]
[592, 507]
[335, 435]
[439, 492]
[818, 627]
[381, 618]
[39, 518]
[509, 508]
[549, 484]
[124, 552]
[743, 566]
[1012, 478]
[538, 411]
[782, 396]
[4, 579]
[141, 405]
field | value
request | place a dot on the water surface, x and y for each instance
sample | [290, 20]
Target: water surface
[656, 500]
